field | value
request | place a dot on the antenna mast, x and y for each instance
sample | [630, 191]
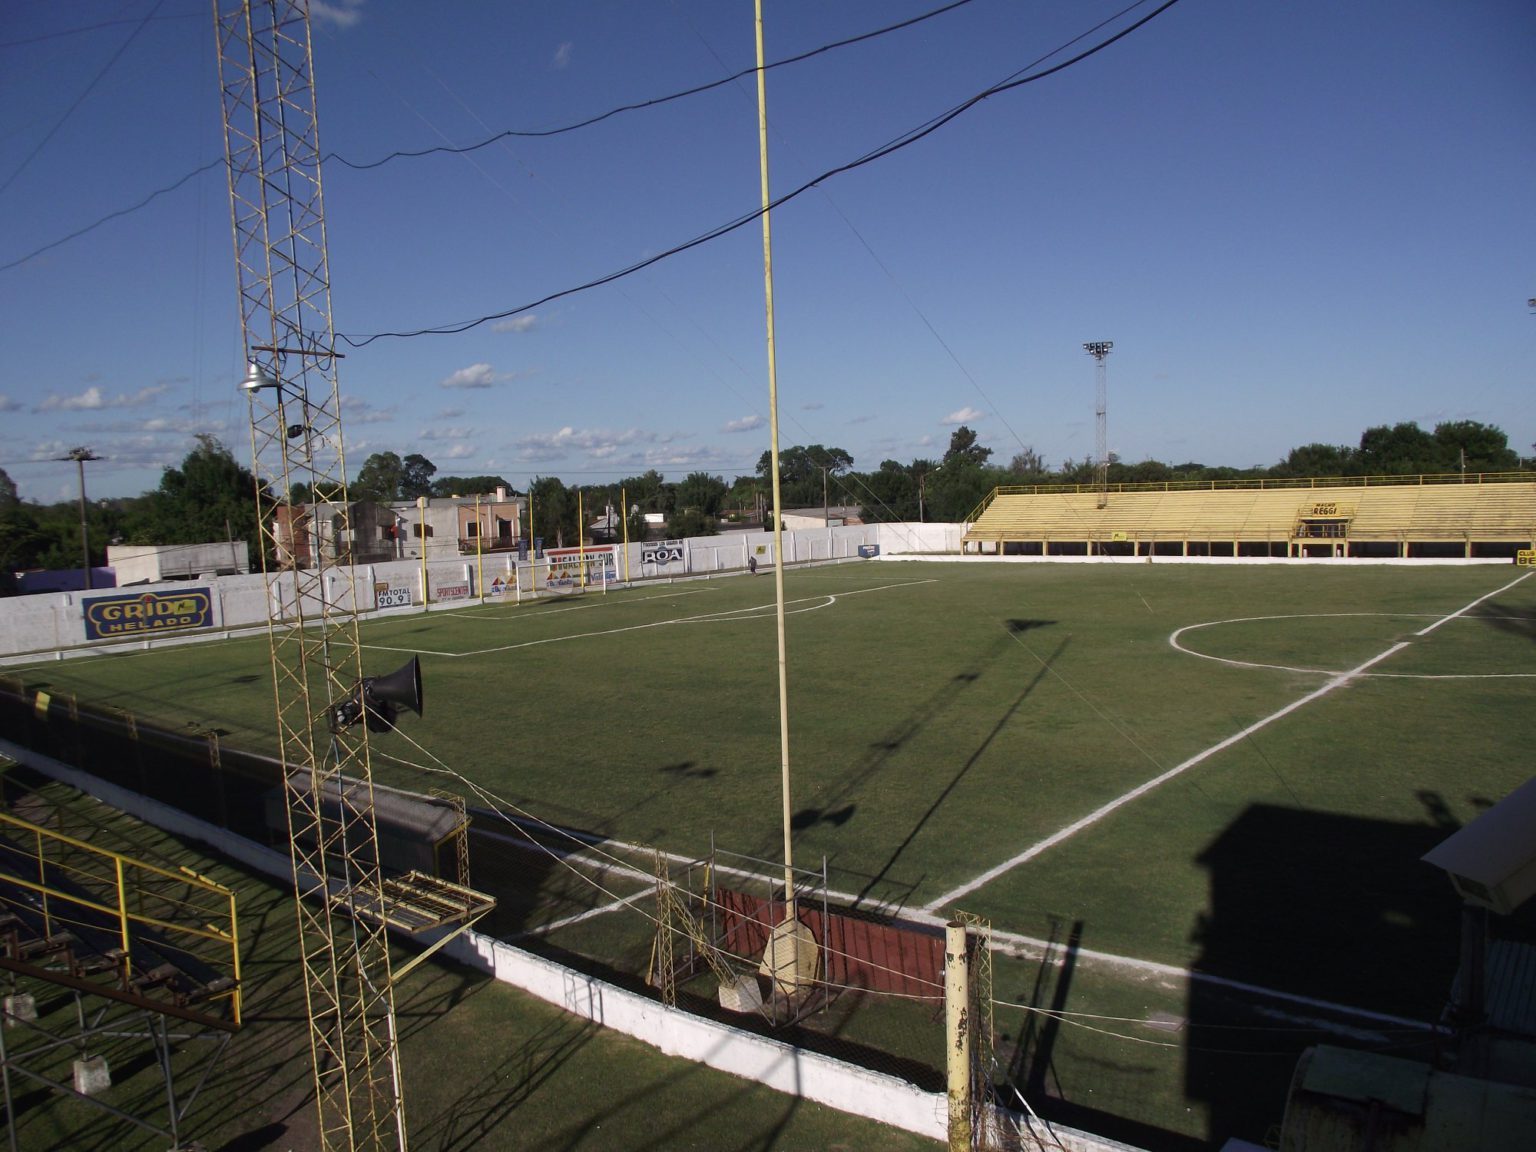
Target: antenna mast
[266, 69]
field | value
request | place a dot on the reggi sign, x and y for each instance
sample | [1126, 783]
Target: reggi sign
[108, 617]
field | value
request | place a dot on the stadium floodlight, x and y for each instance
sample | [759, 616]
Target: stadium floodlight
[1098, 348]
[257, 378]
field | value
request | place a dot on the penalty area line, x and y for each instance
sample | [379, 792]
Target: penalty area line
[1142, 789]
[1119, 802]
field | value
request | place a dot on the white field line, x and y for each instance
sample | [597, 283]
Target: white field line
[1474, 604]
[814, 602]
[487, 617]
[1179, 769]
[1012, 943]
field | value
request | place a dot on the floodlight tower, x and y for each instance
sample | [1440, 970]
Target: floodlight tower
[1099, 350]
[273, 153]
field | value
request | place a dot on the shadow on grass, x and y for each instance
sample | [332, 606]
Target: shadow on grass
[1507, 619]
[1333, 907]
[976, 754]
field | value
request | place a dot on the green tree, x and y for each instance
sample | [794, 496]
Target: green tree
[701, 492]
[210, 497]
[1028, 466]
[687, 522]
[805, 473]
[1318, 460]
[379, 479]
[1400, 450]
[416, 473]
[467, 485]
[1474, 447]
[553, 511]
[20, 539]
[964, 448]
[890, 494]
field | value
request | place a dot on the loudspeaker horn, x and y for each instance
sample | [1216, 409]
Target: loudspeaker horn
[377, 699]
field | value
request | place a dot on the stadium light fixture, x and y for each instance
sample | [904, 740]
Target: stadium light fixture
[1098, 348]
[257, 378]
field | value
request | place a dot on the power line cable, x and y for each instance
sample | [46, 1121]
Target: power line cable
[109, 217]
[461, 150]
[651, 103]
[903, 141]
[80, 99]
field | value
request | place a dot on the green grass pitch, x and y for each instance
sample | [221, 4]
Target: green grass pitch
[946, 719]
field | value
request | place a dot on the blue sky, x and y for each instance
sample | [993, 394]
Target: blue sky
[1294, 219]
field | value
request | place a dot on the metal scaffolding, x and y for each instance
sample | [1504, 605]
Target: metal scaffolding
[273, 152]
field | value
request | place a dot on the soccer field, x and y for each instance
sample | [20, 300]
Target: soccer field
[1233, 770]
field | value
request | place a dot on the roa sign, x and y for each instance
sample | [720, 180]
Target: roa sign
[662, 554]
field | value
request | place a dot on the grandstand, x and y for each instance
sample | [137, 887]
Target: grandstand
[1487, 516]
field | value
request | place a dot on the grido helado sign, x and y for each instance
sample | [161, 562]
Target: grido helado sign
[134, 614]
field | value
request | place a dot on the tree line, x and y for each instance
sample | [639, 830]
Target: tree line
[209, 497]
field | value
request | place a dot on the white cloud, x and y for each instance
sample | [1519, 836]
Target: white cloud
[563, 55]
[87, 400]
[9, 405]
[92, 399]
[475, 376]
[448, 413]
[339, 13]
[525, 322]
[460, 451]
[447, 433]
[596, 444]
[966, 415]
[745, 424]
[355, 411]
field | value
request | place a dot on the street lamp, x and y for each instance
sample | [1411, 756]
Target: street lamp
[80, 456]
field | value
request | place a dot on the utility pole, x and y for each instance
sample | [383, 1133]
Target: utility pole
[1099, 350]
[80, 456]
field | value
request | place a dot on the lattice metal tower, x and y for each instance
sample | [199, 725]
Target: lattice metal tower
[273, 151]
[1099, 350]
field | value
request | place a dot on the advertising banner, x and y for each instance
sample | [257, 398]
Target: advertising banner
[455, 591]
[568, 565]
[392, 595]
[140, 613]
[663, 557]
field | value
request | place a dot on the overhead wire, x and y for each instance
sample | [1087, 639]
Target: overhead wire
[453, 149]
[80, 99]
[643, 104]
[905, 140]
[501, 806]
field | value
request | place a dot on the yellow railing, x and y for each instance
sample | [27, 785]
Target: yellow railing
[194, 915]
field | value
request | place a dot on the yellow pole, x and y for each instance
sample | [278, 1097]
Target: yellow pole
[958, 1028]
[581, 542]
[479, 552]
[778, 519]
[533, 560]
[624, 515]
[234, 948]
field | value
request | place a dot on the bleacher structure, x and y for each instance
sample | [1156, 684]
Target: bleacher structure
[1475, 516]
[141, 951]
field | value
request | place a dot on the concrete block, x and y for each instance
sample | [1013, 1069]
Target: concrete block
[91, 1076]
[22, 1006]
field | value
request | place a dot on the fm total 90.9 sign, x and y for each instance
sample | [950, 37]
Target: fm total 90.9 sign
[392, 595]
[137, 613]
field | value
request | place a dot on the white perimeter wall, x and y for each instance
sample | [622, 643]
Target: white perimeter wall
[52, 624]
